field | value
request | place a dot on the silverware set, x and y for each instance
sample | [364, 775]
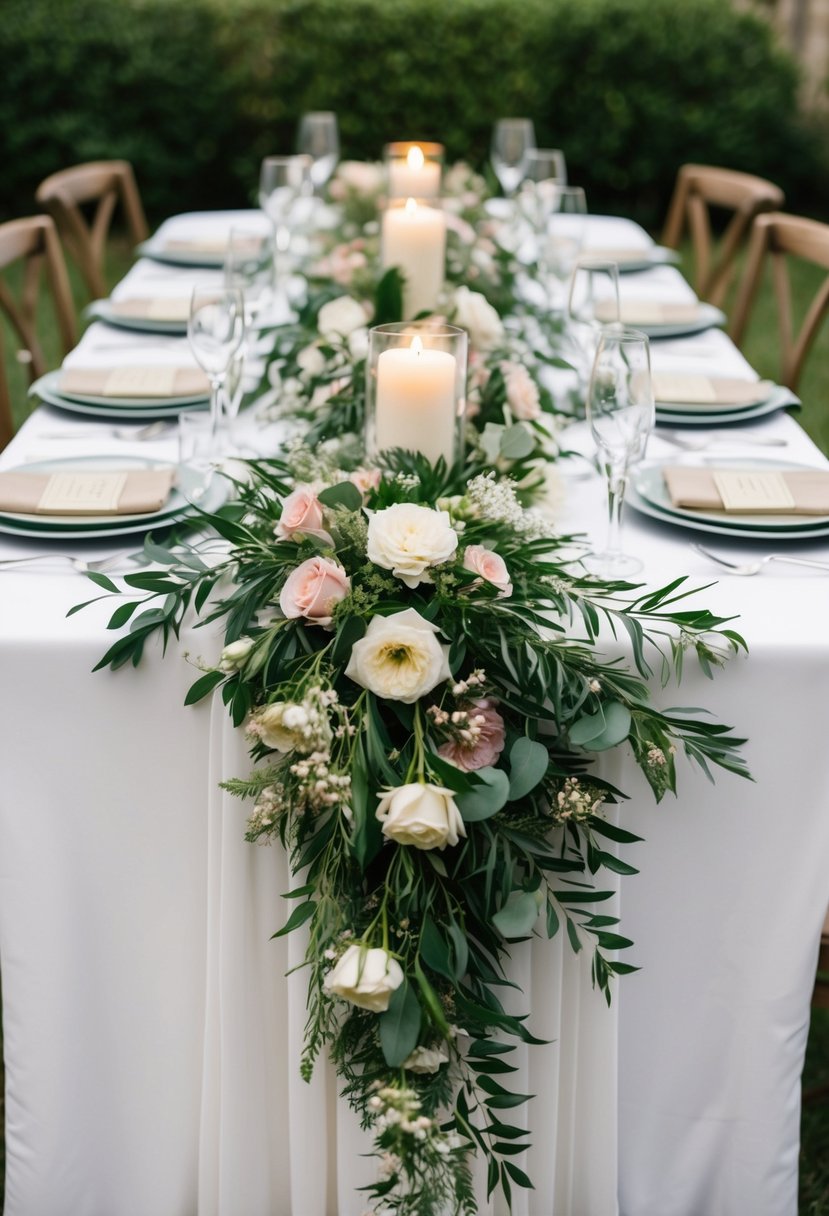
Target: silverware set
[749, 568]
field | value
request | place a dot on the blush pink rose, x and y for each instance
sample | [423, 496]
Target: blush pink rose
[486, 745]
[312, 590]
[302, 516]
[522, 392]
[490, 566]
[365, 479]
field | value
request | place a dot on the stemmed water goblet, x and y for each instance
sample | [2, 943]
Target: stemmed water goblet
[538, 196]
[620, 413]
[512, 140]
[283, 180]
[215, 331]
[592, 303]
[561, 243]
[319, 138]
[250, 268]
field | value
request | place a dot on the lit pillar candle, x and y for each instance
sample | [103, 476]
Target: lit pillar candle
[413, 176]
[414, 239]
[415, 406]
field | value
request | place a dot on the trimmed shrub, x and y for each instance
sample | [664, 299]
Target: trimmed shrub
[195, 92]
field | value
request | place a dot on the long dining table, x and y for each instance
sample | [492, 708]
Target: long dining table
[151, 1036]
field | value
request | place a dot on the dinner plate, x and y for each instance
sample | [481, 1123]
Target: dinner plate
[142, 410]
[207, 259]
[189, 494]
[648, 494]
[639, 259]
[681, 415]
[102, 310]
[707, 318]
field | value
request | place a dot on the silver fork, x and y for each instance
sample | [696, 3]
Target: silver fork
[701, 443]
[152, 431]
[99, 566]
[757, 565]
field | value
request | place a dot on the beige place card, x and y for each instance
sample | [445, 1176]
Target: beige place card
[620, 256]
[215, 245]
[82, 493]
[748, 490]
[152, 309]
[152, 382]
[672, 387]
[650, 312]
[140, 382]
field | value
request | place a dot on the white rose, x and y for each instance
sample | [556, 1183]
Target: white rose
[234, 655]
[426, 1059]
[407, 539]
[311, 360]
[284, 726]
[366, 977]
[358, 342]
[422, 815]
[362, 177]
[399, 657]
[339, 317]
[475, 314]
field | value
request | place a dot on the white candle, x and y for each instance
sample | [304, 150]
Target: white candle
[413, 176]
[415, 406]
[414, 239]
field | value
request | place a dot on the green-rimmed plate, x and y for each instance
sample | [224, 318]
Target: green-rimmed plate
[707, 317]
[141, 408]
[207, 259]
[648, 494]
[193, 490]
[102, 310]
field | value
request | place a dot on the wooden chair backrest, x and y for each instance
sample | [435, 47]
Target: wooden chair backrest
[105, 183]
[779, 237]
[700, 187]
[35, 242]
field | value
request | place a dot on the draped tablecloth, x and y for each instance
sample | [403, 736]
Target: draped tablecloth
[152, 1042]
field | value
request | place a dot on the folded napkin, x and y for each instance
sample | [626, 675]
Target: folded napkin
[147, 308]
[688, 388]
[749, 491]
[653, 312]
[146, 381]
[620, 256]
[213, 245]
[83, 492]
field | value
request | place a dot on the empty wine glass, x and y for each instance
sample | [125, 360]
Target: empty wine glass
[231, 396]
[215, 330]
[512, 140]
[319, 138]
[282, 181]
[538, 195]
[561, 244]
[249, 267]
[620, 412]
[593, 302]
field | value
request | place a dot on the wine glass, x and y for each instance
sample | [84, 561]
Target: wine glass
[215, 330]
[562, 242]
[620, 412]
[282, 181]
[231, 396]
[319, 138]
[592, 303]
[538, 196]
[250, 268]
[512, 140]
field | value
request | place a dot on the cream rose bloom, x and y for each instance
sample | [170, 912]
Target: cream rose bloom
[366, 977]
[475, 314]
[363, 177]
[399, 657]
[407, 539]
[426, 1059]
[422, 815]
[311, 360]
[338, 318]
[282, 726]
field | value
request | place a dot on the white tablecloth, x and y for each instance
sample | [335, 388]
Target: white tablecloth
[152, 1042]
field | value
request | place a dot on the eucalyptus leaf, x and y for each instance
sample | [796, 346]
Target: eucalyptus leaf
[528, 762]
[605, 728]
[343, 494]
[487, 798]
[516, 442]
[518, 915]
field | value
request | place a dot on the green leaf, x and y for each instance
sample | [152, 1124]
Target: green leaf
[517, 442]
[351, 630]
[528, 763]
[460, 949]
[300, 914]
[506, 1101]
[367, 836]
[430, 998]
[388, 298]
[552, 920]
[343, 494]
[203, 686]
[607, 727]
[518, 916]
[400, 1025]
[434, 949]
[101, 580]
[487, 798]
[518, 1176]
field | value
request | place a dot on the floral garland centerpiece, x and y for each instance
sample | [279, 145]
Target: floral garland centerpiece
[423, 720]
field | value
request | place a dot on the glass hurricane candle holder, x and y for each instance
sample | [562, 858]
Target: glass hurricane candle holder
[413, 238]
[413, 169]
[416, 389]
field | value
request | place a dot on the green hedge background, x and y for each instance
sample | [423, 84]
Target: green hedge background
[195, 92]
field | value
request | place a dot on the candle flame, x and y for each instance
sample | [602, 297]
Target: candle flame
[415, 157]
[411, 206]
[417, 345]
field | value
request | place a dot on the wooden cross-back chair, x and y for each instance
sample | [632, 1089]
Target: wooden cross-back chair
[780, 237]
[103, 185]
[700, 187]
[34, 242]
